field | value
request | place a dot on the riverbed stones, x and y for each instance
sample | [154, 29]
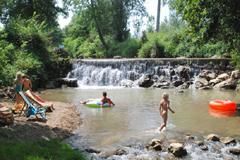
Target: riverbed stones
[214, 81]
[228, 140]
[201, 82]
[213, 137]
[177, 83]
[184, 73]
[235, 151]
[199, 143]
[235, 74]
[204, 148]
[177, 149]
[223, 76]
[155, 144]
[145, 81]
[227, 84]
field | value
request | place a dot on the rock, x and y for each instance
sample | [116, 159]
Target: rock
[120, 152]
[204, 148]
[235, 151]
[214, 81]
[199, 143]
[145, 81]
[160, 84]
[201, 82]
[227, 84]
[211, 76]
[235, 74]
[155, 145]
[205, 88]
[155, 78]
[126, 83]
[189, 137]
[228, 140]
[213, 137]
[223, 76]
[185, 85]
[184, 73]
[51, 85]
[177, 83]
[177, 149]
[91, 150]
[70, 82]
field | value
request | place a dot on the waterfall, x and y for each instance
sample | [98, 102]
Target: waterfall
[114, 72]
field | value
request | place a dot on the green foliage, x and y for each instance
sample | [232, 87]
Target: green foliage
[128, 48]
[47, 11]
[93, 31]
[38, 150]
[213, 23]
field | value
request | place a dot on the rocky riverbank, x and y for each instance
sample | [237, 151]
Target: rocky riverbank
[60, 124]
[211, 146]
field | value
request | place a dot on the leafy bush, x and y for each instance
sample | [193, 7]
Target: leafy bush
[127, 49]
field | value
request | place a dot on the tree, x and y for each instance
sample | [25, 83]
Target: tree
[159, 9]
[217, 20]
[46, 10]
[111, 17]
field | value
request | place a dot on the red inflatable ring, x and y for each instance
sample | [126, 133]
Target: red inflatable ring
[223, 105]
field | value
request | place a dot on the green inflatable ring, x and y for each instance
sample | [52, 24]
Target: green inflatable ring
[96, 104]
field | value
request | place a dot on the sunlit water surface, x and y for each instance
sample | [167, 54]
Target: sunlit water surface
[136, 115]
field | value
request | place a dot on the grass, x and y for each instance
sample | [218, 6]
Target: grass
[37, 150]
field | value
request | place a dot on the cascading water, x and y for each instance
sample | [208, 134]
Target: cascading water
[117, 72]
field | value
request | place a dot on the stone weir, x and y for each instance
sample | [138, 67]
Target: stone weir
[160, 73]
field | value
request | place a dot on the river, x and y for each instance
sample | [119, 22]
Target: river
[136, 116]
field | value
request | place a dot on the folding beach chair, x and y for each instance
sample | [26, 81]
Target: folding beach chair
[32, 110]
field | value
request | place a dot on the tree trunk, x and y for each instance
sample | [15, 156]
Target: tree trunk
[158, 16]
[100, 34]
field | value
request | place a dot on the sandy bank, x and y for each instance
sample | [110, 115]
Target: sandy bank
[61, 124]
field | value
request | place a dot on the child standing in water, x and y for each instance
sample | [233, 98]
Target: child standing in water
[164, 107]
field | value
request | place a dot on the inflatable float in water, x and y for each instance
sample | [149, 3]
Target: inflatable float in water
[96, 103]
[223, 107]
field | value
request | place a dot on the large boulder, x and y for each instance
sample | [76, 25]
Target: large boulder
[201, 82]
[184, 73]
[223, 76]
[177, 83]
[209, 75]
[227, 84]
[213, 82]
[145, 81]
[185, 85]
[235, 74]
[177, 149]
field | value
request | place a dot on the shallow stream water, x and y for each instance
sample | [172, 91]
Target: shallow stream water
[135, 118]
